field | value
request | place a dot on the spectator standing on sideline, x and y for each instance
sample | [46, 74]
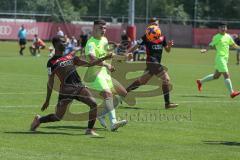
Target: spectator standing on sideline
[22, 36]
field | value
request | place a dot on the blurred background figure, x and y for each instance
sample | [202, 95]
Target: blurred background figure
[22, 35]
[60, 32]
[36, 46]
[83, 38]
[71, 45]
[51, 51]
[237, 41]
[139, 53]
[125, 42]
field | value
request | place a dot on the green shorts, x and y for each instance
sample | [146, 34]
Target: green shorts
[221, 64]
[102, 82]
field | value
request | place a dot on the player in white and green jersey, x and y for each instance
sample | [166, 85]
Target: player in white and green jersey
[221, 42]
[98, 78]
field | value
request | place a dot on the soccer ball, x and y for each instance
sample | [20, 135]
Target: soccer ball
[153, 32]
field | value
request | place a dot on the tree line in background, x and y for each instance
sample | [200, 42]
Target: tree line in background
[180, 11]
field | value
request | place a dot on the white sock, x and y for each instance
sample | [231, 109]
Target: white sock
[112, 116]
[107, 103]
[228, 84]
[207, 78]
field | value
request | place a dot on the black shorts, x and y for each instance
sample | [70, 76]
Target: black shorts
[77, 92]
[154, 68]
[70, 92]
[22, 41]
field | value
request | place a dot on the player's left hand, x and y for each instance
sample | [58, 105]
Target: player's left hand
[203, 50]
[110, 55]
[110, 68]
[170, 43]
[129, 56]
[45, 106]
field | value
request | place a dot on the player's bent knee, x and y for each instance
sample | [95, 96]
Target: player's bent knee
[216, 77]
[142, 82]
[93, 104]
[57, 117]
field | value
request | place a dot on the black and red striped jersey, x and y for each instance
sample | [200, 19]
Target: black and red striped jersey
[64, 67]
[154, 49]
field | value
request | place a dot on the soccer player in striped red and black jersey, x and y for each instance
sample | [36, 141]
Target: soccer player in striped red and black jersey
[64, 67]
[154, 50]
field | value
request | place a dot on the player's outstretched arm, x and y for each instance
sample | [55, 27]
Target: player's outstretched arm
[205, 50]
[49, 92]
[93, 62]
[133, 48]
[169, 46]
[235, 46]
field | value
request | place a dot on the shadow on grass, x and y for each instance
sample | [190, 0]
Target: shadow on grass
[69, 127]
[201, 96]
[125, 107]
[52, 133]
[227, 143]
[41, 132]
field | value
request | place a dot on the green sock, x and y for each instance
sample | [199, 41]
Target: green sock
[207, 78]
[228, 84]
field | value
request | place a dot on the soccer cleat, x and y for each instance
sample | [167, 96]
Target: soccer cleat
[35, 123]
[102, 121]
[170, 105]
[234, 94]
[118, 124]
[199, 84]
[91, 132]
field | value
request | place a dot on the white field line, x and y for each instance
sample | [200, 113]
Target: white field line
[180, 102]
[193, 94]
[20, 93]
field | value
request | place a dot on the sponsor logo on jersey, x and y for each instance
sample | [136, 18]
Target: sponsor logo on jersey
[157, 47]
[66, 63]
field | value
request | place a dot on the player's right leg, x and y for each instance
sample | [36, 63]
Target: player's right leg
[121, 94]
[140, 81]
[57, 116]
[238, 56]
[207, 78]
[109, 108]
[166, 88]
[22, 43]
[86, 97]
[229, 86]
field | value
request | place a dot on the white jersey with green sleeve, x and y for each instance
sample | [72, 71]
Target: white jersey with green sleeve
[221, 43]
[97, 77]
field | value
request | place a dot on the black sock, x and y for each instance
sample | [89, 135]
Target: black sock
[165, 89]
[49, 118]
[92, 117]
[166, 98]
[21, 51]
[133, 86]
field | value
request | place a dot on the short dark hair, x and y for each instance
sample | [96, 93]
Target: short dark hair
[153, 19]
[100, 21]
[57, 39]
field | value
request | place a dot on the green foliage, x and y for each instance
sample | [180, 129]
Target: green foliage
[178, 9]
[179, 14]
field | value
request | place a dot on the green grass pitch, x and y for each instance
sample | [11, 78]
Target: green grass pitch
[205, 125]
